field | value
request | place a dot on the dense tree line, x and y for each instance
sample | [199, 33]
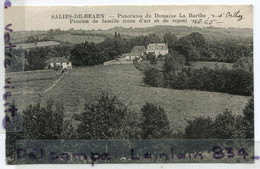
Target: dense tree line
[109, 118]
[89, 54]
[192, 48]
[220, 80]
[237, 81]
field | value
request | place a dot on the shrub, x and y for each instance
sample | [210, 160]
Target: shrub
[107, 118]
[200, 128]
[43, 123]
[142, 65]
[246, 122]
[155, 124]
[153, 60]
[153, 77]
[244, 63]
[225, 125]
[222, 127]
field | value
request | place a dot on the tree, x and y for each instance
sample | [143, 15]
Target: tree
[108, 118]
[200, 128]
[248, 119]
[152, 38]
[115, 35]
[17, 60]
[43, 123]
[35, 58]
[196, 39]
[225, 125]
[244, 63]
[190, 46]
[170, 39]
[153, 77]
[152, 58]
[171, 65]
[155, 124]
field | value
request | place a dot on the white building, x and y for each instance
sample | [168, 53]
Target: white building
[59, 62]
[157, 49]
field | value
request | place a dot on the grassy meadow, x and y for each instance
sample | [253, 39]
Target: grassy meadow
[83, 85]
[76, 39]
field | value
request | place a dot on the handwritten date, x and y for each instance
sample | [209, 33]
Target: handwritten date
[206, 22]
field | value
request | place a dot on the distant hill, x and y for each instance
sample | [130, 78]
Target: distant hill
[21, 36]
[179, 31]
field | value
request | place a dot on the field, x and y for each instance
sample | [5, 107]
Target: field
[75, 39]
[22, 36]
[83, 85]
[39, 44]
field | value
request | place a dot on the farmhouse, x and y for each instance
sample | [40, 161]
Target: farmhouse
[157, 49]
[59, 62]
[137, 52]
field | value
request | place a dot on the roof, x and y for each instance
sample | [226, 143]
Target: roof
[158, 46]
[138, 50]
[57, 60]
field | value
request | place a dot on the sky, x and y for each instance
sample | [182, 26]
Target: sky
[39, 17]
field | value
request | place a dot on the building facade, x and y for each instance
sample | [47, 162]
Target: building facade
[61, 62]
[157, 49]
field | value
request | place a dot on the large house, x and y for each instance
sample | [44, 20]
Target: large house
[157, 49]
[59, 62]
[137, 52]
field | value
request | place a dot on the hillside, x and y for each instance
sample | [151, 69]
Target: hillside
[84, 85]
[96, 35]
[208, 32]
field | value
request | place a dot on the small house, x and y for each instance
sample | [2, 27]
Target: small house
[157, 49]
[59, 62]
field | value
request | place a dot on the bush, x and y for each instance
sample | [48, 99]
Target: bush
[153, 60]
[153, 77]
[142, 65]
[200, 128]
[43, 123]
[244, 63]
[155, 124]
[224, 126]
[108, 118]
[248, 114]
[245, 122]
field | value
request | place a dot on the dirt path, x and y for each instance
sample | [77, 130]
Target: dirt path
[46, 90]
[54, 83]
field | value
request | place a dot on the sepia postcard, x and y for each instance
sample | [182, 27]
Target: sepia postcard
[129, 84]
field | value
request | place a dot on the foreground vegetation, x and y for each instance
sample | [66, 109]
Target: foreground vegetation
[109, 118]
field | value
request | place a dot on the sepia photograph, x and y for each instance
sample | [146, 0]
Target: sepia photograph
[129, 84]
